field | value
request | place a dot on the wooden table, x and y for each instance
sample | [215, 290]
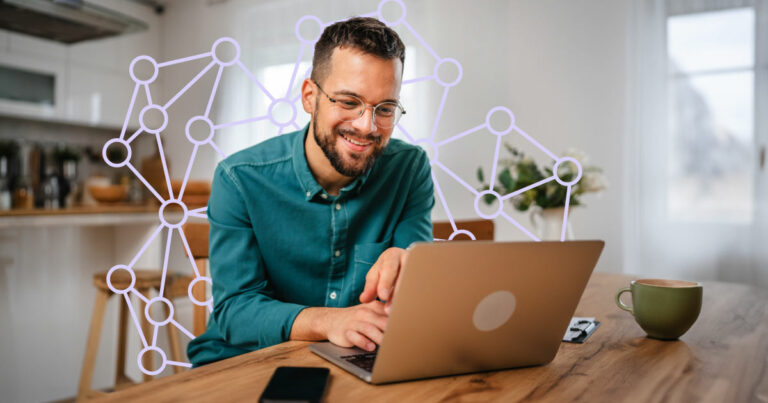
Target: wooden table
[722, 358]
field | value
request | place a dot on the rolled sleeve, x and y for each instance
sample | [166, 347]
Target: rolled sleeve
[245, 312]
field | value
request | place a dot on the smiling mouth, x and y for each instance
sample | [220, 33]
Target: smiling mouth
[357, 142]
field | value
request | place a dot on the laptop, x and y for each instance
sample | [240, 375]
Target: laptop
[466, 307]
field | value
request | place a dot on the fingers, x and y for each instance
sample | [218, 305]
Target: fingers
[387, 277]
[371, 279]
[370, 331]
[388, 305]
[378, 318]
[377, 307]
[357, 339]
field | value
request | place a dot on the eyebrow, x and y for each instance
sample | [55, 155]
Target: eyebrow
[352, 93]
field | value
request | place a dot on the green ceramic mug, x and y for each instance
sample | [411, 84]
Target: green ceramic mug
[665, 309]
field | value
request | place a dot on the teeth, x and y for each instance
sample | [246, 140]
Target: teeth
[354, 142]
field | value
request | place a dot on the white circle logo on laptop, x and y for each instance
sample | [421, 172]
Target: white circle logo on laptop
[494, 310]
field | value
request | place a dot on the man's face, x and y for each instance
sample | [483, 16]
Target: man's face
[353, 147]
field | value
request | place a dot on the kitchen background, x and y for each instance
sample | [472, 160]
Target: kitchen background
[682, 147]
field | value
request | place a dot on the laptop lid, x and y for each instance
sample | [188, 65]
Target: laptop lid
[475, 306]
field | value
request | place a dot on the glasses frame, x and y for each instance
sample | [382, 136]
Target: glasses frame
[365, 106]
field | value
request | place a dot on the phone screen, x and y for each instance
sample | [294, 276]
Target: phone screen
[296, 384]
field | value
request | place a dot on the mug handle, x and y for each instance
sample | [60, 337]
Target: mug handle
[621, 304]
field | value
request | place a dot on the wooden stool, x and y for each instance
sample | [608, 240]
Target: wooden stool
[145, 280]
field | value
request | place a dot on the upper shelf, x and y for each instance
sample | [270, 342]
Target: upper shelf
[81, 216]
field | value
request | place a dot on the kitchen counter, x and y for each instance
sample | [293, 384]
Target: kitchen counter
[81, 216]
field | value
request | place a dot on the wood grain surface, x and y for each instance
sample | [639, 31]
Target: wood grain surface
[722, 358]
[115, 208]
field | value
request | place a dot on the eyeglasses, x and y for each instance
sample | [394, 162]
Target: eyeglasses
[350, 108]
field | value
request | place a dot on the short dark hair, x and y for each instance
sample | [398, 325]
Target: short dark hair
[366, 34]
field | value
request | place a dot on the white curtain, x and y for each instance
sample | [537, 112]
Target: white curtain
[657, 244]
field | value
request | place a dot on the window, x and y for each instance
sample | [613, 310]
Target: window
[711, 98]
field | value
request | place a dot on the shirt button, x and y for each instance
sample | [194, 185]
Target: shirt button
[333, 295]
[337, 253]
[338, 206]
[309, 194]
[324, 196]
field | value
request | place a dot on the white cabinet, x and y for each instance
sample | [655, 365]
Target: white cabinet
[92, 84]
[38, 63]
[97, 96]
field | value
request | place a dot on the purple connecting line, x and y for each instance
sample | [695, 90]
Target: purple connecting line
[275, 103]
[161, 292]
[189, 169]
[165, 165]
[213, 92]
[189, 84]
[130, 109]
[184, 59]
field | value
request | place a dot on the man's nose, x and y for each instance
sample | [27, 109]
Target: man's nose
[365, 123]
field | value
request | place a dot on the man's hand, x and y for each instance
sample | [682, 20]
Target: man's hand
[383, 278]
[359, 325]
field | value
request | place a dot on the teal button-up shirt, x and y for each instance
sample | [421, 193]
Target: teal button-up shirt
[279, 243]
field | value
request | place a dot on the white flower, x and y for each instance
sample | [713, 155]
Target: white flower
[593, 181]
[578, 155]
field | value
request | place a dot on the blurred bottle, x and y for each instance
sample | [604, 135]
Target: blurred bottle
[5, 185]
[37, 174]
[51, 190]
[23, 196]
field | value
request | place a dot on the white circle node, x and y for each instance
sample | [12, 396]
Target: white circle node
[163, 358]
[132, 69]
[298, 29]
[192, 298]
[207, 130]
[503, 110]
[158, 300]
[153, 109]
[119, 164]
[431, 149]
[442, 65]
[462, 232]
[109, 279]
[282, 112]
[494, 310]
[390, 23]
[164, 220]
[218, 59]
[560, 162]
[480, 197]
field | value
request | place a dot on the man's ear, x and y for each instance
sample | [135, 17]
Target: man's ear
[308, 95]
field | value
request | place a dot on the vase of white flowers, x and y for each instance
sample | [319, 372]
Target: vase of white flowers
[545, 202]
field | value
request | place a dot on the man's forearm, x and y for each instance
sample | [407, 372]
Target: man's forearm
[311, 324]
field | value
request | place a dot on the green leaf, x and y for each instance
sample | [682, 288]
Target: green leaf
[506, 180]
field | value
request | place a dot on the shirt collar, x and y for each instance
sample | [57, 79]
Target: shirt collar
[308, 183]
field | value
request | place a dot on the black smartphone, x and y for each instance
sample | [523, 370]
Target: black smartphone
[296, 384]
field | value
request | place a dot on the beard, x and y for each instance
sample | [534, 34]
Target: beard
[359, 163]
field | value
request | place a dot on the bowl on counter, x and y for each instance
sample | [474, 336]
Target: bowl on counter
[108, 193]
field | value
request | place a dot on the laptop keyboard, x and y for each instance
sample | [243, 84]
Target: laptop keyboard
[364, 361]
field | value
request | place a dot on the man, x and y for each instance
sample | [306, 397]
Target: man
[308, 230]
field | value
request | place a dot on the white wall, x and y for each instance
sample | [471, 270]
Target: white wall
[558, 65]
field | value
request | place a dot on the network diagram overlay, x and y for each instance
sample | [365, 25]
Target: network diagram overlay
[284, 102]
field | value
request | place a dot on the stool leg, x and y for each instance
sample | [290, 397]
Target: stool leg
[173, 340]
[122, 335]
[146, 328]
[92, 348]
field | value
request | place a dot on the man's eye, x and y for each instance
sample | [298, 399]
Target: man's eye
[385, 110]
[350, 104]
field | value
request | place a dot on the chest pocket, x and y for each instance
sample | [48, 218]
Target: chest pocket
[366, 254]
